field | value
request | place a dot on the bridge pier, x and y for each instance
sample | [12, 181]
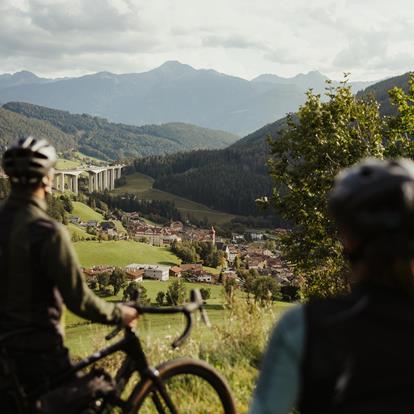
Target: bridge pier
[100, 178]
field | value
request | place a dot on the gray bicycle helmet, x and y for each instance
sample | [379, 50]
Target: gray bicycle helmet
[375, 197]
[28, 160]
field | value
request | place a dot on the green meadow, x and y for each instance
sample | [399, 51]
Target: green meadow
[142, 185]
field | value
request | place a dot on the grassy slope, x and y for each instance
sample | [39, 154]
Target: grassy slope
[149, 325]
[64, 164]
[156, 325]
[80, 232]
[122, 253]
[142, 185]
[85, 212]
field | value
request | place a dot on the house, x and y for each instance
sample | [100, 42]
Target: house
[95, 271]
[237, 238]
[192, 267]
[233, 253]
[92, 223]
[223, 247]
[229, 275]
[135, 275]
[175, 271]
[156, 272]
[205, 278]
[254, 235]
[74, 220]
[106, 225]
[202, 235]
[256, 262]
[176, 226]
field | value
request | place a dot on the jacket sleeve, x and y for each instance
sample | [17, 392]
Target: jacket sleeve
[279, 380]
[64, 270]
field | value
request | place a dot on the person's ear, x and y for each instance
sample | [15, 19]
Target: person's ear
[348, 240]
[47, 183]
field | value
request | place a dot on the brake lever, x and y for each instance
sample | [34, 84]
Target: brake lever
[113, 333]
[204, 317]
[195, 296]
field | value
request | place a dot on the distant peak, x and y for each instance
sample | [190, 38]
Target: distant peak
[25, 74]
[314, 74]
[174, 66]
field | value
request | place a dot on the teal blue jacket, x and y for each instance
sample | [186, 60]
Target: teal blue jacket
[278, 386]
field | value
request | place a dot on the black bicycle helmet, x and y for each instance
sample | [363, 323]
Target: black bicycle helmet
[375, 197]
[30, 159]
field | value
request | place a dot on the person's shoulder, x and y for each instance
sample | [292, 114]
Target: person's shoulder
[292, 318]
[292, 321]
[337, 307]
[44, 227]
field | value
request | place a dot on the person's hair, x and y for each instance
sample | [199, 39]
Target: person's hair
[388, 261]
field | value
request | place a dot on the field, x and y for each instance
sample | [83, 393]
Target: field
[154, 325]
[78, 232]
[85, 213]
[82, 337]
[143, 186]
[78, 159]
[233, 344]
[122, 253]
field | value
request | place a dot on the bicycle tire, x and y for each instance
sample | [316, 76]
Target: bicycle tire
[144, 390]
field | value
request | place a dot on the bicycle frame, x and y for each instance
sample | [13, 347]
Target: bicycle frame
[135, 361]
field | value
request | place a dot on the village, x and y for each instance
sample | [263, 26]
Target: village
[255, 251]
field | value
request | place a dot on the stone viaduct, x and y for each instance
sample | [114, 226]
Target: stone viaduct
[100, 178]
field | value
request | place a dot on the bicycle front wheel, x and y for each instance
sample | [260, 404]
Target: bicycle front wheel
[185, 386]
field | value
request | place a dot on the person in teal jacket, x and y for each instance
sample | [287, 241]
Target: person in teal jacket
[353, 353]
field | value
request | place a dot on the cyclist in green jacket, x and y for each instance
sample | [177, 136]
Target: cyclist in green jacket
[39, 271]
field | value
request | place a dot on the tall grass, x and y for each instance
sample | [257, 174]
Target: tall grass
[234, 348]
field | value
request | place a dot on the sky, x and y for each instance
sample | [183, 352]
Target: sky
[372, 39]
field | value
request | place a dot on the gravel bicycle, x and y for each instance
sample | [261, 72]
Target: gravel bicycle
[177, 386]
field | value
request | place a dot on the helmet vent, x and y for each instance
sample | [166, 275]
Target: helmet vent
[366, 171]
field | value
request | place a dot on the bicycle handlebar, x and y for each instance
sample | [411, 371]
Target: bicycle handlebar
[196, 303]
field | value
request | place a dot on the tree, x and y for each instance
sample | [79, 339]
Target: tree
[160, 298]
[237, 263]
[55, 208]
[399, 129]
[230, 286]
[176, 292]
[321, 139]
[103, 279]
[205, 293]
[67, 203]
[266, 289]
[117, 279]
[270, 245]
[136, 292]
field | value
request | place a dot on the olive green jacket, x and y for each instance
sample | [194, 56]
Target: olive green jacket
[39, 270]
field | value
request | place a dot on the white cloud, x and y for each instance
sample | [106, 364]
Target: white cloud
[372, 39]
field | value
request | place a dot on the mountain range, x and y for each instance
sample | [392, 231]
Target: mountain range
[173, 92]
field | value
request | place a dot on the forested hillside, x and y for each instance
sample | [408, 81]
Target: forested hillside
[228, 180]
[380, 91]
[99, 138]
[14, 125]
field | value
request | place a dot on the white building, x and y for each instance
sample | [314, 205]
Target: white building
[204, 278]
[151, 271]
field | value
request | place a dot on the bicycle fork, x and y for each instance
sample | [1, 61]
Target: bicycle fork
[153, 374]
